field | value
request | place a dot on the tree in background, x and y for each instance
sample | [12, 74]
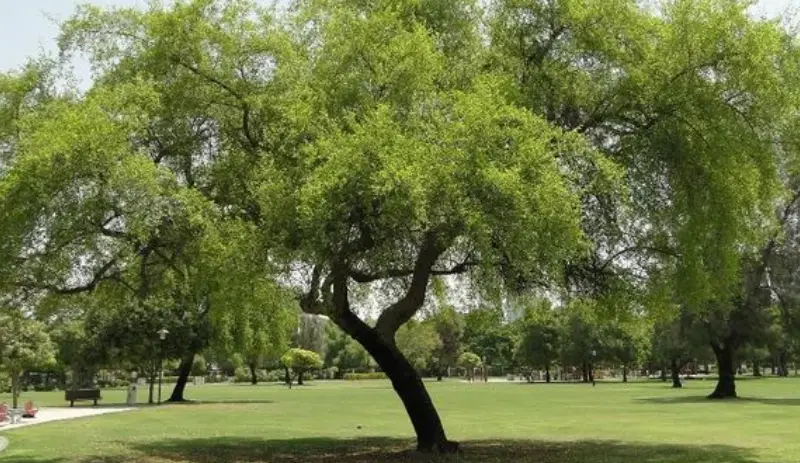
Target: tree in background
[301, 361]
[628, 345]
[539, 338]
[488, 335]
[310, 333]
[449, 326]
[24, 345]
[469, 361]
[418, 341]
[344, 353]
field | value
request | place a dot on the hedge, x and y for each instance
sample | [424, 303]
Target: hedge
[364, 376]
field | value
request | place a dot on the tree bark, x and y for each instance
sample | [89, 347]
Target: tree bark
[676, 374]
[756, 369]
[150, 398]
[14, 388]
[585, 372]
[783, 369]
[664, 374]
[300, 377]
[547, 373]
[184, 370]
[726, 384]
[253, 373]
[406, 382]
[624, 374]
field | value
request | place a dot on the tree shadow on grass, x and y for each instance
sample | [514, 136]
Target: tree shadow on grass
[388, 450]
[378, 449]
[220, 402]
[783, 402]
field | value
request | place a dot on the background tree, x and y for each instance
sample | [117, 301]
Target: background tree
[344, 353]
[301, 361]
[24, 345]
[469, 361]
[418, 341]
[487, 334]
[449, 326]
[539, 342]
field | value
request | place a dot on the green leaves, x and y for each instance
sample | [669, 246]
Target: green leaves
[301, 360]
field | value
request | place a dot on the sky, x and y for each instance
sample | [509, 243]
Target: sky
[28, 27]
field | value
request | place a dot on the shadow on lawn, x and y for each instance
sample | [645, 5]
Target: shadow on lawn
[377, 449]
[786, 402]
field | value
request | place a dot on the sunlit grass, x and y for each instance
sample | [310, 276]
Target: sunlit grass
[496, 422]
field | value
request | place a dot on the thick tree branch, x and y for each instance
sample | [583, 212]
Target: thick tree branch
[365, 277]
[401, 311]
[657, 250]
[99, 275]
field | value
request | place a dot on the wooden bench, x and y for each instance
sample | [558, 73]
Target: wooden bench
[75, 395]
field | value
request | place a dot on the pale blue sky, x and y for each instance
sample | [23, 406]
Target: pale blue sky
[26, 26]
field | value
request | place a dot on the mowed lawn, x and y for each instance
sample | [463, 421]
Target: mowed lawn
[496, 422]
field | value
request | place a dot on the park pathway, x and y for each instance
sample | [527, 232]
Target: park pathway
[47, 415]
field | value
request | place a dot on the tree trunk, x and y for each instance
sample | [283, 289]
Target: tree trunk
[287, 378]
[585, 372]
[300, 377]
[253, 373]
[676, 374]
[184, 371]
[726, 385]
[406, 382]
[783, 369]
[624, 374]
[664, 374]
[547, 373]
[14, 389]
[150, 398]
[756, 369]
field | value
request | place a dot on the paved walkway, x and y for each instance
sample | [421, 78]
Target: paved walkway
[57, 414]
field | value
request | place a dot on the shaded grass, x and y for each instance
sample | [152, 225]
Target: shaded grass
[496, 422]
[370, 450]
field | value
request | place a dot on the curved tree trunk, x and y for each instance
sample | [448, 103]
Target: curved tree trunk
[184, 371]
[726, 384]
[406, 382]
[676, 374]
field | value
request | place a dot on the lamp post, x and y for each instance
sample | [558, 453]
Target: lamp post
[162, 335]
[594, 359]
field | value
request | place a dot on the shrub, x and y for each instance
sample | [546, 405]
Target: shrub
[364, 376]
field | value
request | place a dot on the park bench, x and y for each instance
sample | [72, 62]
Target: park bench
[75, 395]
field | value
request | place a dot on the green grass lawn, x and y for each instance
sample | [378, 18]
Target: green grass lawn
[496, 422]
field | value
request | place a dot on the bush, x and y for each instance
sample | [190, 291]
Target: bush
[242, 375]
[364, 376]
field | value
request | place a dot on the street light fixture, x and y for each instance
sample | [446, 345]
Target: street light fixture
[162, 335]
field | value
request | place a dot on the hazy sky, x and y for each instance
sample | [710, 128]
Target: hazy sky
[27, 26]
